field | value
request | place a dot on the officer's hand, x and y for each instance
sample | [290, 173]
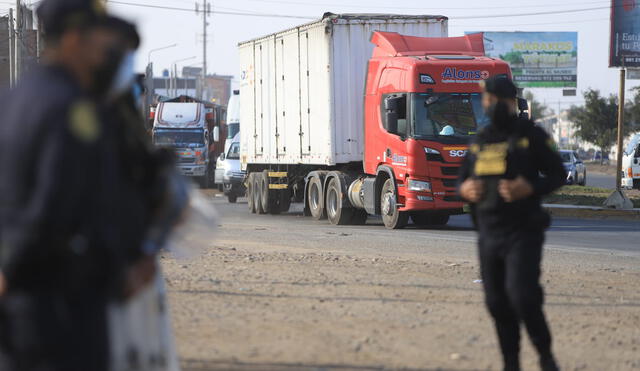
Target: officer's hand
[515, 190]
[472, 190]
[3, 285]
[139, 276]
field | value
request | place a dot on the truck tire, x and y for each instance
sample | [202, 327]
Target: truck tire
[257, 192]
[250, 200]
[269, 197]
[315, 199]
[336, 213]
[203, 181]
[391, 216]
[285, 200]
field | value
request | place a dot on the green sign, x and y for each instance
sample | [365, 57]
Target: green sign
[537, 59]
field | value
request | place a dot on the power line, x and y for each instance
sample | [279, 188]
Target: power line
[213, 11]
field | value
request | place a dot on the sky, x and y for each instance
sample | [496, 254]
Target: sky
[162, 27]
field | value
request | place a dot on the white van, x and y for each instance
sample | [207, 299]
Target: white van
[631, 164]
[229, 173]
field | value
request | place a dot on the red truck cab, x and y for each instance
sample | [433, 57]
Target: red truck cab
[422, 106]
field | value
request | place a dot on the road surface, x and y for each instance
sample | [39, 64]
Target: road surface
[601, 180]
[289, 293]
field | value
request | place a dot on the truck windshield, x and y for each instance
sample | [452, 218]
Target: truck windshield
[232, 130]
[450, 115]
[234, 151]
[171, 138]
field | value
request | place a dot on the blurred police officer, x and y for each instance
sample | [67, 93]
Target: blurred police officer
[502, 180]
[59, 189]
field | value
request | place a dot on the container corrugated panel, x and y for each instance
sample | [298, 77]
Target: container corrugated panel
[302, 90]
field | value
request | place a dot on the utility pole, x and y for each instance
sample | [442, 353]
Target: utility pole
[620, 129]
[206, 12]
[18, 41]
[12, 46]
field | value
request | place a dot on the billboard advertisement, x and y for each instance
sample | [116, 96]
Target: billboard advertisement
[537, 59]
[624, 48]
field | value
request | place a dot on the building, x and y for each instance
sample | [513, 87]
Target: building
[168, 87]
[562, 131]
[217, 88]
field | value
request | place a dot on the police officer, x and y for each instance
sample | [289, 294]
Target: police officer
[60, 185]
[501, 178]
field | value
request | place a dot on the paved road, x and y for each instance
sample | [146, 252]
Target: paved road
[601, 180]
[593, 236]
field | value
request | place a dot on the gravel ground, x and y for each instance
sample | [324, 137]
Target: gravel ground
[257, 301]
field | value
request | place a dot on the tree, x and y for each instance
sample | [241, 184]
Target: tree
[597, 121]
[537, 109]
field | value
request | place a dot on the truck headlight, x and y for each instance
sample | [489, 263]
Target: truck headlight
[431, 151]
[419, 186]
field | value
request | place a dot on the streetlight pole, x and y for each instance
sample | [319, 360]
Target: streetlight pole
[174, 68]
[158, 49]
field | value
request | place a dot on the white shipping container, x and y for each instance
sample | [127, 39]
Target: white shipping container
[302, 90]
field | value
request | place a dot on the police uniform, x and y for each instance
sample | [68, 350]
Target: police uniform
[511, 235]
[59, 183]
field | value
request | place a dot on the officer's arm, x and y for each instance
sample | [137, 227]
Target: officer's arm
[465, 170]
[28, 237]
[548, 162]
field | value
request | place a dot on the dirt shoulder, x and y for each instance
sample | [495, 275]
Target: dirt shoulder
[249, 305]
[587, 196]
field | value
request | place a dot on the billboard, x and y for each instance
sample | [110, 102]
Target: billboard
[537, 59]
[624, 49]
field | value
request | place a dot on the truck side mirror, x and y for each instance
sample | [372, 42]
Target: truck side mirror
[216, 134]
[222, 157]
[392, 107]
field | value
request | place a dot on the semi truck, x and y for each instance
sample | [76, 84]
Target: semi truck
[361, 114]
[195, 130]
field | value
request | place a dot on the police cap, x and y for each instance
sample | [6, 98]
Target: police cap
[58, 16]
[501, 86]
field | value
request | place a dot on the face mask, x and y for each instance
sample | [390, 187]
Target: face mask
[103, 75]
[124, 77]
[500, 115]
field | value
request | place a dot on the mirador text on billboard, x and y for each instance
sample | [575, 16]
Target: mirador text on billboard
[537, 59]
[625, 33]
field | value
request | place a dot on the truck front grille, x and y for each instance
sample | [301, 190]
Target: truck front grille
[186, 160]
[450, 170]
[450, 183]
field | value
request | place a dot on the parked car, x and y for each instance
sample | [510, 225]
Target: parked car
[576, 171]
[598, 156]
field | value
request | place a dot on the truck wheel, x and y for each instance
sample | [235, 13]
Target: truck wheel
[315, 199]
[337, 214]
[232, 198]
[257, 192]
[270, 197]
[391, 216]
[285, 200]
[203, 181]
[250, 194]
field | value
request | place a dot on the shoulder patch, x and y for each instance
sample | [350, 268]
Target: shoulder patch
[523, 143]
[83, 121]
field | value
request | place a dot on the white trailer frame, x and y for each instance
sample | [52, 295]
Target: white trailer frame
[302, 90]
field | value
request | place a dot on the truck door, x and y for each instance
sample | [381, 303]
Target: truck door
[394, 121]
